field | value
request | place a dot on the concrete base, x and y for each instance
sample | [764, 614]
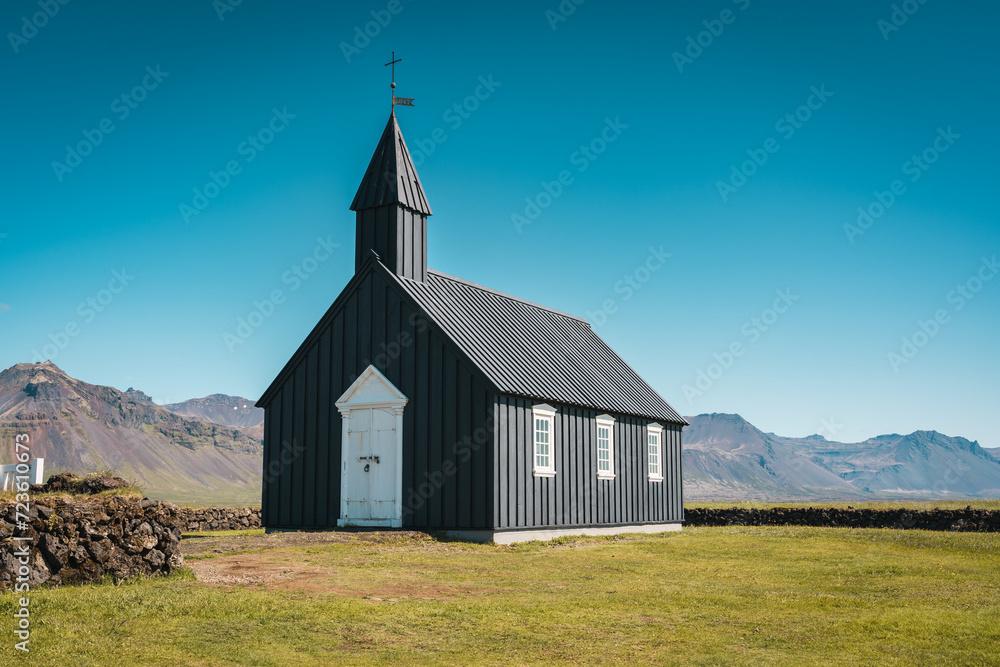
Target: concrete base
[543, 534]
[369, 523]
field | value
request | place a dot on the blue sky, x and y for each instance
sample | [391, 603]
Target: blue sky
[739, 138]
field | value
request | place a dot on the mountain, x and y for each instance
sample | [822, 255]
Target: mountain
[993, 451]
[727, 458]
[80, 427]
[220, 409]
[923, 463]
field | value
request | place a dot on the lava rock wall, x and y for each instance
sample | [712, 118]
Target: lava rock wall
[986, 521]
[84, 541]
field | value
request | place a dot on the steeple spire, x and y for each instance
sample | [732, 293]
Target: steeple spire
[391, 177]
[392, 209]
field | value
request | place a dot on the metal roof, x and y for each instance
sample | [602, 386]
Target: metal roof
[391, 177]
[529, 350]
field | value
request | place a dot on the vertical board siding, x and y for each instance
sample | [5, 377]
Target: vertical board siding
[445, 471]
[286, 403]
[299, 437]
[421, 435]
[468, 452]
[397, 235]
[320, 502]
[575, 497]
[311, 454]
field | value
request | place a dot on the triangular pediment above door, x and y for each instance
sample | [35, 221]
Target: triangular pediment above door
[371, 388]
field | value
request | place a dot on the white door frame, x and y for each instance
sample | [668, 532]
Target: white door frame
[374, 391]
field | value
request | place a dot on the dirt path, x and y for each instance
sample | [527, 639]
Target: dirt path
[206, 544]
[268, 560]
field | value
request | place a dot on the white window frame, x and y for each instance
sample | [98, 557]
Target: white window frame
[608, 422]
[654, 431]
[545, 413]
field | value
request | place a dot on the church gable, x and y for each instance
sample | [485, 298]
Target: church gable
[371, 388]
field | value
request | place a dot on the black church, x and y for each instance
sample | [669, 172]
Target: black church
[424, 401]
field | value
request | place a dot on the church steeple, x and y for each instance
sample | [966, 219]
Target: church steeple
[392, 209]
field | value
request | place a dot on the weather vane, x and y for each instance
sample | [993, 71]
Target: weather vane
[404, 101]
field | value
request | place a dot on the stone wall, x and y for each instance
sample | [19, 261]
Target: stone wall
[218, 518]
[84, 540]
[987, 521]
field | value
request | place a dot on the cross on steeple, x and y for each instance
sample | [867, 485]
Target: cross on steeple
[405, 101]
[393, 63]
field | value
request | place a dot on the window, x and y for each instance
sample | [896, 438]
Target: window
[542, 418]
[654, 437]
[605, 447]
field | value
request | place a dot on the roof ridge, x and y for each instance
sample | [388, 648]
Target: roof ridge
[490, 290]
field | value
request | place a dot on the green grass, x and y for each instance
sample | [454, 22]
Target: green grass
[8, 497]
[875, 505]
[196, 498]
[706, 596]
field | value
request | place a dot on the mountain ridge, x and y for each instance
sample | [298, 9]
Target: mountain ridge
[726, 457]
[221, 409]
[80, 427]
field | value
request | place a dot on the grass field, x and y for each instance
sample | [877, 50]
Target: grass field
[706, 596]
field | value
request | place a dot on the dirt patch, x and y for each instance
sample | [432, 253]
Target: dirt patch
[252, 570]
[266, 560]
[206, 546]
[278, 570]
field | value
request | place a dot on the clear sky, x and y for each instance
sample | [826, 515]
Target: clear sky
[739, 138]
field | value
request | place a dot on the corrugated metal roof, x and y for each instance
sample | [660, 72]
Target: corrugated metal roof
[391, 177]
[529, 350]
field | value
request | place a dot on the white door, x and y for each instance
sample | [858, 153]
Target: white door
[355, 477]
[382, 470]
[371, 463]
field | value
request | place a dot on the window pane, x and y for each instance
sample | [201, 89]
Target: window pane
[542, 442]
[603, 449]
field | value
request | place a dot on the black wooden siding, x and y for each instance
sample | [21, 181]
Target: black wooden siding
[397, 235]
[575, 496]
[374, 322]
